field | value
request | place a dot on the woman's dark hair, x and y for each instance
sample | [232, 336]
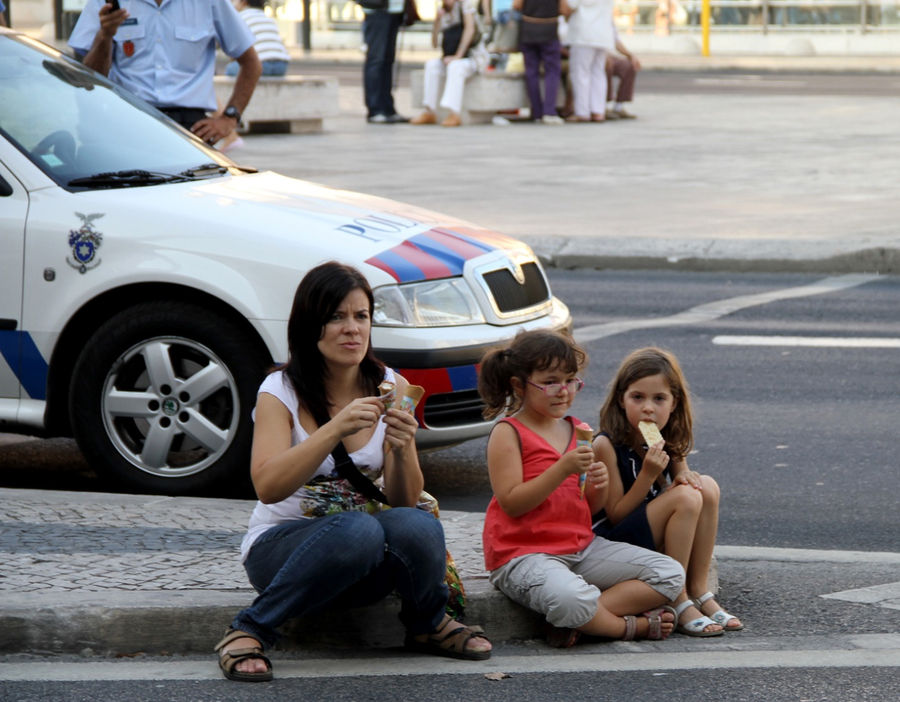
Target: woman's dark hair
[639, 364]
[319, 294]
[258, 4]
[528, 352]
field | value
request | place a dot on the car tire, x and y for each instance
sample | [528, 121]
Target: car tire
[160, 400]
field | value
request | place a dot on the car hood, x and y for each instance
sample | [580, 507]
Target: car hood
[283, 215]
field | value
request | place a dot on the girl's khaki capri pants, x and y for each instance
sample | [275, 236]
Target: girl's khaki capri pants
[565, 588]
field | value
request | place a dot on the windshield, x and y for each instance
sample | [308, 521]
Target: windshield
[74, 124]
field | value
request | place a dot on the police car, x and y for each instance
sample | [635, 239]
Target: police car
[146, 280]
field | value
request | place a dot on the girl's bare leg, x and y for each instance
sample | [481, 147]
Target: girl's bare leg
[704, 543]
[628, 597]
[674, 520]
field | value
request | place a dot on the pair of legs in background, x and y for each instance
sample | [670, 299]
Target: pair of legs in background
[587, 68]
[549, 56]
[380, 30]
[623, 69]
[454, 74]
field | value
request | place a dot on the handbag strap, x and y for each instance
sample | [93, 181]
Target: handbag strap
[346, 468]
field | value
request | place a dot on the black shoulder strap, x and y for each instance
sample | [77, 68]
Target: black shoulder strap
[345, 467]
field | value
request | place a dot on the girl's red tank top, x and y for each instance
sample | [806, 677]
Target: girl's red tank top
[560, 524]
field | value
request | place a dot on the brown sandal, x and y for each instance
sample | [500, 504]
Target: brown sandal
[561, 637]
[654, 619]
[442, 642]
[229, 659]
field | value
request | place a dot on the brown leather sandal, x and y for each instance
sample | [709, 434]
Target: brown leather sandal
[450, 643]
[561, 637]
[229, 659]
[654, 620]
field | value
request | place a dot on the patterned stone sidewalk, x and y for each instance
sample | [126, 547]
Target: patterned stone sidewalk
[64, 542]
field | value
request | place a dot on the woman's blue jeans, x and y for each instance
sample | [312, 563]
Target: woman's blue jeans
[347, 560]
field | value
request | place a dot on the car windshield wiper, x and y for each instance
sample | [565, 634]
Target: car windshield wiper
[205, 169]
[128, 178]
[208, 169]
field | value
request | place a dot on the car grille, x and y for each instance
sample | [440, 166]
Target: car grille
[453, 408]
[511, 295]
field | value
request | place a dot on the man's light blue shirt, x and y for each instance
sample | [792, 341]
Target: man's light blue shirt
[166, 54]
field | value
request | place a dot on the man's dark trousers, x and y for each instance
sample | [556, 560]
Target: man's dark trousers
[380, 34]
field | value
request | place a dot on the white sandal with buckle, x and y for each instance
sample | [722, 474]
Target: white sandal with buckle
[720, 616]
[695, 627]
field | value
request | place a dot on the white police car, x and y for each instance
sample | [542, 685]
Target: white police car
[146, 280]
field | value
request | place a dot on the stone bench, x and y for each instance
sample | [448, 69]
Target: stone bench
[485, 95]
[286, 104]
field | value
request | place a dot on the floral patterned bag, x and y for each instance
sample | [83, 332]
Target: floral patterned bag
[456, 596]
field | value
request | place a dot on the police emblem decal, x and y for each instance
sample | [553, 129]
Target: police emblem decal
[84, 243]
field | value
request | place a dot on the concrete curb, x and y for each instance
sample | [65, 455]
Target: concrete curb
[189, 622]
[874, 260]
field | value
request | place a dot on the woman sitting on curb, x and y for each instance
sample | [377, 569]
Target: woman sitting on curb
[317, 538]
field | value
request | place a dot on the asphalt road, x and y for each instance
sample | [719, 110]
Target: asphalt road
[809, 685]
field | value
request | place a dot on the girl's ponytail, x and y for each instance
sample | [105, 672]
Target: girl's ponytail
[494, 384]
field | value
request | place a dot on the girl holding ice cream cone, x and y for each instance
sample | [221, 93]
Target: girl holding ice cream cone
[645, 436]
[538, 543]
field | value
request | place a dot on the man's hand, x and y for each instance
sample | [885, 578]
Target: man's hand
[211, 129]
[111, 20]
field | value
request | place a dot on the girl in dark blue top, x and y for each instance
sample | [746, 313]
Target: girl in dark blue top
[679, 518]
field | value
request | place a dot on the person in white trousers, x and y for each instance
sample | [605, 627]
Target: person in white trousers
[455, 26]
[592, 34]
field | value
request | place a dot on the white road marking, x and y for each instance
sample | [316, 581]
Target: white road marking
[864, 650]
[887, 595]
[805, 555]
[815, 341]
[702, 314]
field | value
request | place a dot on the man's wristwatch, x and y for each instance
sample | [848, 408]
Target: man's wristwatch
[232, 111]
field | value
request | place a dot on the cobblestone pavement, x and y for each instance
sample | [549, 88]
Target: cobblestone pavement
[69, 542]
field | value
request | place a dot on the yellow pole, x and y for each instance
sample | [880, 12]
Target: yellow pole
[704, 24]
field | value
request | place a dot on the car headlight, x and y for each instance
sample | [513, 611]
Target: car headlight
[432, 303]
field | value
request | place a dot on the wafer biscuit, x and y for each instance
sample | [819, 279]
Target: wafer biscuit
[650, 432]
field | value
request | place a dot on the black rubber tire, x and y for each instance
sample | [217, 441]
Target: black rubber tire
[142, 428]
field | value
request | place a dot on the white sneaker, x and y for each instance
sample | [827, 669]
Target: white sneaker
[499, 121]
[552, 119]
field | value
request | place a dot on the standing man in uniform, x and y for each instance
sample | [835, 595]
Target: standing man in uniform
[380, 30]
[164, 51]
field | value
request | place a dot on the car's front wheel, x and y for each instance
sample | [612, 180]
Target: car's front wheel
[160, 400]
